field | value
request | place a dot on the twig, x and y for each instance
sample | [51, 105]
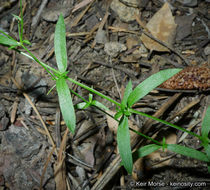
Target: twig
[108, 174]
[14, 110]
[60, 174]
[82, 14]
[117, 29]
[163, 108]
[81, 4]
[115, 81]
[36, 18]
[37, 112]
[132, 74]
[57, 127]
[45, 167]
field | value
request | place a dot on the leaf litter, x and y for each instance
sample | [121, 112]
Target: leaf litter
[97, 142]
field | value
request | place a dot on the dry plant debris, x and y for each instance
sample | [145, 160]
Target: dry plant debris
[89, 32]
[163, 27]
[189, 78]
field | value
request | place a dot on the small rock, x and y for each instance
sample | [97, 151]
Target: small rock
[91, 21]
[22, 159]
[39, 89]
[189, 3]
[4, 121]
[101, 37]
[114, 48]
[34, 87]
[207, 50]
[52, 15]
[124, 12]
[27, 106]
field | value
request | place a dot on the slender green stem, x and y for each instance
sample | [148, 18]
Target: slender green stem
[166, 123]
[134, 111]
[94, 105]
[94, 91]
[21, 23]
[45, 66]
[83, 99]
[57, 73]
[145, 136]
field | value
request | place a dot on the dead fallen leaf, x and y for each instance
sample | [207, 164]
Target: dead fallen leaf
[153, 157]
[60, 175]
[131, 42]
[113, 125]
[87, 150]
[163, 27]
[184, 26]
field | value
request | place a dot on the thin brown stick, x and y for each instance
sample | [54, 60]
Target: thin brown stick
[63, 145]
[37, 112]
[45, 167]
[82, 14]
[117, 29]
[163, 108]
[81, 4]
[60, 173]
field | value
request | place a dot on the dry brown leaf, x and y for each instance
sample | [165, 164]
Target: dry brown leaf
[171, 139]
[113, 124]
[87, 150]
[163, 27]
[131, 42]
[154, 157]
[60, 175]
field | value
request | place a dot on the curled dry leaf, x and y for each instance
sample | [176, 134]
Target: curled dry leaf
[189, 78]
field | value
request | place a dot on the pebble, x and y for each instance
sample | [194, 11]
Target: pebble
[101, 37]
[52, 15]
[125, 13]
[207, 50]
[189, 3]
[114, 48]
[4, 121]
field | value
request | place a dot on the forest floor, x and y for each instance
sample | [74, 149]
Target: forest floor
[106, 47]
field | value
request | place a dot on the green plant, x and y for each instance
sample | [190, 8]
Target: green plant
[124, 109]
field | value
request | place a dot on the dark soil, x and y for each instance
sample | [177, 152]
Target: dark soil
[90, 158]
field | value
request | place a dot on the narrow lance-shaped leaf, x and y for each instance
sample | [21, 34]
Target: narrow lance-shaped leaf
[7, 41]
[99, 105]
[60, 44]
[207, 150]
[187, 152]
[127, 92]
[149, 84]
[66, 105]
[123, 142]
[146, 150]
[206, 123]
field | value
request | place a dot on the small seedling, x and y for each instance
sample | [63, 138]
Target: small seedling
[124, 109]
